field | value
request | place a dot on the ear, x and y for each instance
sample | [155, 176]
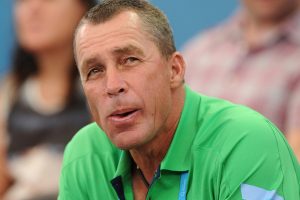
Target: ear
[177, 70]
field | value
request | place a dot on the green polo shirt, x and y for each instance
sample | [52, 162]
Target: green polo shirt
[219, 151]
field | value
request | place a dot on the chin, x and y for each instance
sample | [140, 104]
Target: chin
[34, 48]
[37, 44]
[125, 139]
[125, 144]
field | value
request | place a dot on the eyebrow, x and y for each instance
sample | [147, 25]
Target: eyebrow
[93, 59]
[129, 49]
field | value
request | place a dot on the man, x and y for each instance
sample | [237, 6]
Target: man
[253, 59]
[154, 138]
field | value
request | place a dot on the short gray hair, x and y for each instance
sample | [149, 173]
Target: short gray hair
[154, 20]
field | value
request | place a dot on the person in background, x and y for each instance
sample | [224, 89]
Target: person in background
[43, 105]
[155, 138]
[253, 59]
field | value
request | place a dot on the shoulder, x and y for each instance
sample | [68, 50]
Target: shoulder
[90, 154]
[237, 118]
[229, 125]
[248, 148]
[90, 140]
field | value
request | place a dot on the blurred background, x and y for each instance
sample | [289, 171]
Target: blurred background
[186, 17]
[6, 33]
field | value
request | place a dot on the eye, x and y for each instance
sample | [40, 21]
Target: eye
[93, 72]
[130, 60]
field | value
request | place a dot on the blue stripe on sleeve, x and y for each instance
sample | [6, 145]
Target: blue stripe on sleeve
[250, 192]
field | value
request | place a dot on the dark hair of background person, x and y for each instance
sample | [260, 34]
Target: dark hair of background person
[24, 64]
[155, 22]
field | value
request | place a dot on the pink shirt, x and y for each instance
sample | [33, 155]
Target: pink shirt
[265, 78]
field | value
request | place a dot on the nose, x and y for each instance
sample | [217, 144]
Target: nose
[35, 5]
[29, 7]
[115, 84]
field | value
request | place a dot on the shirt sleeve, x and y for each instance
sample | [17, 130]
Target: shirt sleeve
[257, 163]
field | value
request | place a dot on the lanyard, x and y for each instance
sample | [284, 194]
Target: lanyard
[183, 186]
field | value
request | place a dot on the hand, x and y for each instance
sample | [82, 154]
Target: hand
[294, 140]
[5, 179]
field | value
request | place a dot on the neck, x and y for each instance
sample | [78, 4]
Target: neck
[54, 67]
[149, 156]
[255, 31]
[256, 28]
[54, 64]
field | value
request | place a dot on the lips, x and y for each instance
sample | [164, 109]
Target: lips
[122, 115]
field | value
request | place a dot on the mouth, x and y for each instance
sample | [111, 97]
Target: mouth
[123, 115]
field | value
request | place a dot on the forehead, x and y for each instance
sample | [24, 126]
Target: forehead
[126, 27]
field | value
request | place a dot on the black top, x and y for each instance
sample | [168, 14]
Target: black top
[28, 128]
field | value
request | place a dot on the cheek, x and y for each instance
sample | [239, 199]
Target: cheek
[94, 98]
[61, 32]
[67, 24]
[159, 97]
[20, 18]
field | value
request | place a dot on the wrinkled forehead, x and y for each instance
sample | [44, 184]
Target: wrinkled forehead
[87, 32]
[125, 18]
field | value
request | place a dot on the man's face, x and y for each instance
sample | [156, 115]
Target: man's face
[125, 78]
[269, 10]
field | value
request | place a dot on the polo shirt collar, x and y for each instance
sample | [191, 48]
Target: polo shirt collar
[123, 172]
[124, 165]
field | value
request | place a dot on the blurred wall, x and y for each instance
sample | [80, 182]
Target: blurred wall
[6, 34]
[186, 17]
[192, 16]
